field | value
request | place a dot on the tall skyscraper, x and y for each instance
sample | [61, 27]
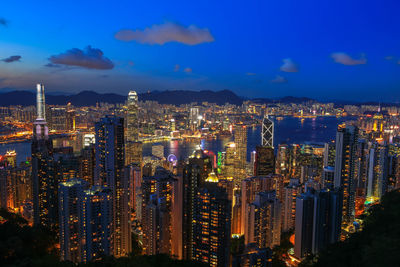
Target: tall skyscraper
[327, 219]
[96, 223]
[157, 212]
[265, 161]
[345, 166]
[230, 160]
[109, 171]
[263, 218]
[132, 123]
[195, 172]
[377, 172]
[133, 148]
[241, 151]
[87, 163]
[304, 225]
[43, 176]
[267, 132]
[70, 206]
[329, 154]
[318, 221]
[291, 192]
[211, 224]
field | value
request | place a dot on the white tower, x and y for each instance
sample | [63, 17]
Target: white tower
[40, 102]
[267, 132]
[40, 130]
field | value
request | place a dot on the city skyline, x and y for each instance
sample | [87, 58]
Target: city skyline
[328, 51]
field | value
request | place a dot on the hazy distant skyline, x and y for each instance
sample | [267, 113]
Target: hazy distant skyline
[346, 50]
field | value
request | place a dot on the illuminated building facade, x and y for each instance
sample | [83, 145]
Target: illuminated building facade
[157, 212]
[291, 192]
[96, 223]
[132, 125]
[267, 132]
[345, 169]
[211, 224]
[195, 172]
[109, 171]
[240, 136]
[265, 161]
[43, 176]
[70, 205]
[263, 220]
[377, 172]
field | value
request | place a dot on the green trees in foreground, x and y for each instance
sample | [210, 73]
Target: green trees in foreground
[24, 245]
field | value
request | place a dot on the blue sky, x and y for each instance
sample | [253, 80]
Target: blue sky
[324, 49]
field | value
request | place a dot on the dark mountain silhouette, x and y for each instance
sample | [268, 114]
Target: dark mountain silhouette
[178, 97]
[90, 98]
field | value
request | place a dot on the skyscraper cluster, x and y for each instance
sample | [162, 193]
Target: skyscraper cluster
[216, 208]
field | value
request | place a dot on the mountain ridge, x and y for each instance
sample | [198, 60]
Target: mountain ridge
[175, 97]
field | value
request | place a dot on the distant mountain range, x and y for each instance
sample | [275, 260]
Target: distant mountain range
[178, 97]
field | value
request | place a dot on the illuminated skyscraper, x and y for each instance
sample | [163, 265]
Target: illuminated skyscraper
[304, 225]
[40, 102]
[329, 154]
[318, 221]
[157, 212]
[291, 191]
[194, 175]
[211, 224]
[132, 124]
[43, 178]
[109, 171]
[263, 217]
[345, 167]
[265, 161]
[87, 163]
[133, 148]
[241, 151]
[230, 160]
[251, 187]
[96, 223]
[267, 132]
[70, 205]
[377, 172]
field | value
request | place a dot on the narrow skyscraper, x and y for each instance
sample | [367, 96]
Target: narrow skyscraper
[109, 171]
[267, 133]
[345, 166]
[43, 177]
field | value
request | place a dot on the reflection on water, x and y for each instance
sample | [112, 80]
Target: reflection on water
[288, 130]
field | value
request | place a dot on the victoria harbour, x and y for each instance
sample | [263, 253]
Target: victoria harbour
[289, 130]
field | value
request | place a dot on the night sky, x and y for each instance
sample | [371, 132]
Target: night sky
[324, 49]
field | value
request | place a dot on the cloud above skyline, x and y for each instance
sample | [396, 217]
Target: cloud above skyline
[11, 59]
[188, 70]
[3, 22]
[289, 66]
[345, 59]
[167, 32]
[89, 58]
[279, 79]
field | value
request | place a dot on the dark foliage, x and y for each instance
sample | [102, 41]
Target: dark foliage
[23, 245]
[378, 244]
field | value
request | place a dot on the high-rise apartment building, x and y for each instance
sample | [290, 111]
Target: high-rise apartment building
[345, 167]
[70, 207]
[263, 218]
[211, 224]
[109, 171]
